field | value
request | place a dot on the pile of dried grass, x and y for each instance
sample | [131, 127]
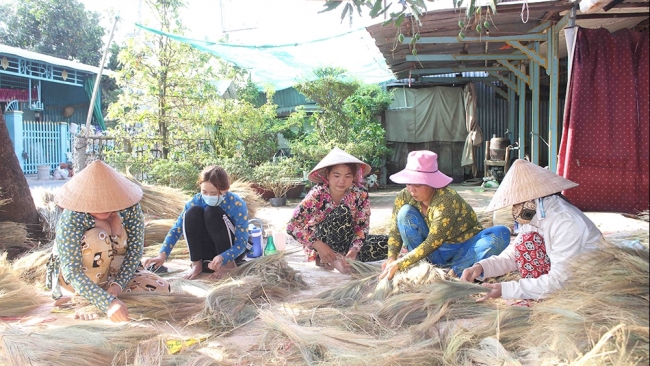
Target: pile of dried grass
[73, 345]
[644, 215]
[607, 287]
[274, 270]
[155, 231]
[160, 201]
[180, 251]
[162, 307]
[48, 210]
[253, 199]
[31, 267]
[233, 303]
[13, 235]
[16, 298]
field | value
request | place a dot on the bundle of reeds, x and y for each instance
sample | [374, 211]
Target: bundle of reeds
[253, 199]
[31, 267]
[180, 250]
[48, 210]
[13, 235]
[351, 319]
[274, 270]
[155, 231]
[73, 345]
[607, 287]
[162, 306]
[234, 302]
[160, 201]
[16, 298]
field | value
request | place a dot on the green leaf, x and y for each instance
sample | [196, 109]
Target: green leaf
[400, 38]
[486, 25]
[461, 35]
[479, 29]
[493, 6]
[330, 5]
[399, 20]
[414, 52]
[376, 8]
[461, 24]
[387, 22]
[346, 8]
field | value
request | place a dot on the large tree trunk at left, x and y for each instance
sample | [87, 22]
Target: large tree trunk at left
[14, 186]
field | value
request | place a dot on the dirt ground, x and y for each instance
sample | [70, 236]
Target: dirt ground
[276, 218]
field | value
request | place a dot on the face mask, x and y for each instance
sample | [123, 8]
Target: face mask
[213, 200]
[524, 212]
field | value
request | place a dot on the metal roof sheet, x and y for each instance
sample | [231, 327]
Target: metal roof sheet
[4, 49]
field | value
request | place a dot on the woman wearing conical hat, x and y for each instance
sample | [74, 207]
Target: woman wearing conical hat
[99, 242]
[435, 223]
[552, 233]
[332, 221]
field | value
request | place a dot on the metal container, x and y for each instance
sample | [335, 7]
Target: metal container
[498, 146]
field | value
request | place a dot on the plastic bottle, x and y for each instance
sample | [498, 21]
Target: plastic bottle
[255, 232]
[270, 249]
[279, 239]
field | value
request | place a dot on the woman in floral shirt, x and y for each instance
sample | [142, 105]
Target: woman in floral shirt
[434, 222]
[332, 220]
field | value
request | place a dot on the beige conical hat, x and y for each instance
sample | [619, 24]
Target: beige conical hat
[335, 157]
[98, 188]
[526, 181]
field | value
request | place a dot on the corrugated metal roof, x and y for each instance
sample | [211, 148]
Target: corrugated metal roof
[51, 60]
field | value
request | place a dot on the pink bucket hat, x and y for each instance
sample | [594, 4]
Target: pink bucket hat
[422, 168]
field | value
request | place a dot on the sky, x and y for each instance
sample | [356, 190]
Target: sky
[245, 21]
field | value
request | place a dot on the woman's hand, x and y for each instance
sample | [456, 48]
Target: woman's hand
[117, 311]
[471, 273]
[495, 292]
[389, 268]
[156, 261]
[352, 254]
[216, 263]
[114, 289]
[326, 254]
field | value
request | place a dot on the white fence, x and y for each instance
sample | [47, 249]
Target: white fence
[45, 143]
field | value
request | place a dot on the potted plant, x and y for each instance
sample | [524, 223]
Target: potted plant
[278, 177]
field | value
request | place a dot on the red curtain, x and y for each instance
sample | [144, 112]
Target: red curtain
[21, 95]
[604, 144]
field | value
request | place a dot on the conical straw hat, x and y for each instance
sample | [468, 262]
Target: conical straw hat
[98, 188]
[526, 181]
[335, 157]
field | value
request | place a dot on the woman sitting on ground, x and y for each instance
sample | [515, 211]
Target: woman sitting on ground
[214, 224]
[553, 233]
[332, 221]
[435, 223]
[99, 242]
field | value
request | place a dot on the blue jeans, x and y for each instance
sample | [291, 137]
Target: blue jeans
[458, 256]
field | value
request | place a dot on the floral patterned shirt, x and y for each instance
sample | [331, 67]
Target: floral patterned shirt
[450, 220]
[235, 208]
[318, 203]
[71, 228]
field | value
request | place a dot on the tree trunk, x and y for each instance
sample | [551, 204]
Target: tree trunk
[13, 186]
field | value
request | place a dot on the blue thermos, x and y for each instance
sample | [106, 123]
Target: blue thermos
[255, 233]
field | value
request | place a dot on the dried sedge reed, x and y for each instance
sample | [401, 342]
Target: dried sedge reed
[13, 235]
[199, 288]
[644, 215]
[16, 298]
[31, 267]
[607, 287]
[488, 352]
[162, 306]
[274, 270]
[179, 251]
[362, 269]
[246, 192]
[155, 231]
[333, 346]
[350, 319]
[74, 345]
[234, 302]
[48, 210]
[160, 201]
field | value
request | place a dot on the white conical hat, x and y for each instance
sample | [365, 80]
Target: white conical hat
[98, 188]
[335, 157]
[526, 181]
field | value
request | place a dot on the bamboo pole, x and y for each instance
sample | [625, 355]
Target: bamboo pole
[81, 145]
